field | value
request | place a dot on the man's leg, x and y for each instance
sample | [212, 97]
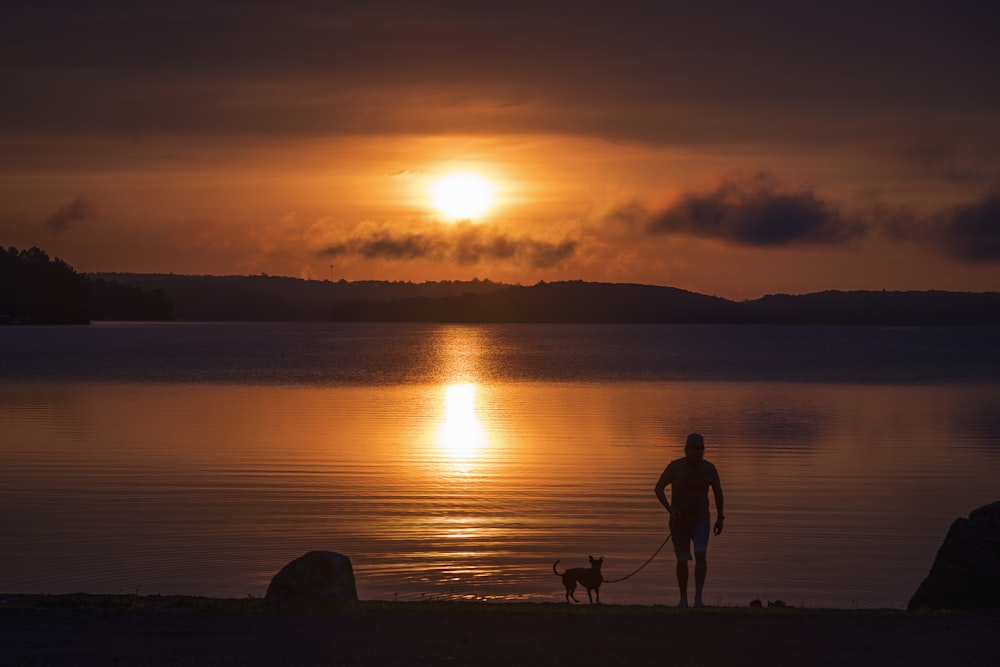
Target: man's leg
[682, 581]
[682, 550]
[700, 539]
[700, 570]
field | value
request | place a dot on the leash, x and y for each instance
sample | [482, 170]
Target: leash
[650, 560]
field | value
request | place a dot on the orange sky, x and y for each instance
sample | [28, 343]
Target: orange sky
[729, 152]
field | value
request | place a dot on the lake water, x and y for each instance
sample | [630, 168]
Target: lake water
[461, 461]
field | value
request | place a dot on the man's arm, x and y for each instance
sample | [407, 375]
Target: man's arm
[661, 484]
[719, 503]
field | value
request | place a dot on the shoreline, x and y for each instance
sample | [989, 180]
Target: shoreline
[87, 629]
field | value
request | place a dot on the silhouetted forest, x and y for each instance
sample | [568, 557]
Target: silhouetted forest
[574, 301]
[111, 301]
[35, 289]
[621, 303]
[277, 298]
[263, 298]
[923, 308]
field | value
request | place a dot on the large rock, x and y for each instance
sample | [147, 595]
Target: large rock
[966, 571]
[319, 578]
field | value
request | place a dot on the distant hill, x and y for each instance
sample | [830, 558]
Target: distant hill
[113, 301]
[35, 289]
[575, 301]
[880, 308]
[39, 290]
[277, 298]
[604, 302]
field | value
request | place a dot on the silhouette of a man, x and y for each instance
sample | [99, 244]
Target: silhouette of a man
[689, 479]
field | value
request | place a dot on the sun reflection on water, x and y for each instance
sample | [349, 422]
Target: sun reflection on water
[461, 435]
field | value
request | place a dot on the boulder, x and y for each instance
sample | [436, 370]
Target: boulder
[966, 571]
[317, 579]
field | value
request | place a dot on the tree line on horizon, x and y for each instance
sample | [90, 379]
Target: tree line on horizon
[280, 298]
[609, 303]
[260, 298]
[35, 289]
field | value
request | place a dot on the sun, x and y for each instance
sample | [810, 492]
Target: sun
[462, 195]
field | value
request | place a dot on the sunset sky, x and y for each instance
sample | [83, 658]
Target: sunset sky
[735, 149]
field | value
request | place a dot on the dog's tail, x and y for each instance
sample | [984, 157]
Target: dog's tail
[558, 573]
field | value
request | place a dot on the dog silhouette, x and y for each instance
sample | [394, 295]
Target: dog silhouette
[588, 577]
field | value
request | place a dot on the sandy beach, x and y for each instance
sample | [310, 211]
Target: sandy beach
[84, 630]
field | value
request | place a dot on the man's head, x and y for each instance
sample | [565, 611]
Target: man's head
[694, 448]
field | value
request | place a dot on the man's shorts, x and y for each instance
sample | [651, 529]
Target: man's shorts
[684, 533]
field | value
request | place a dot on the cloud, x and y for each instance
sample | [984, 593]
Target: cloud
[382, 245]
[77, 210]
[756, 211]
[466, 245]
[472, 246]
[969, 232]
[661, 72]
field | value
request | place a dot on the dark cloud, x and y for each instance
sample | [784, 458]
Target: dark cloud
[466, 245]
[472, 245]
[970, 232]
[659, 72]
[77, 210]
[383, 245]
[756, 211]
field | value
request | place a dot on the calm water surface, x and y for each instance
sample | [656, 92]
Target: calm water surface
[461, 461]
